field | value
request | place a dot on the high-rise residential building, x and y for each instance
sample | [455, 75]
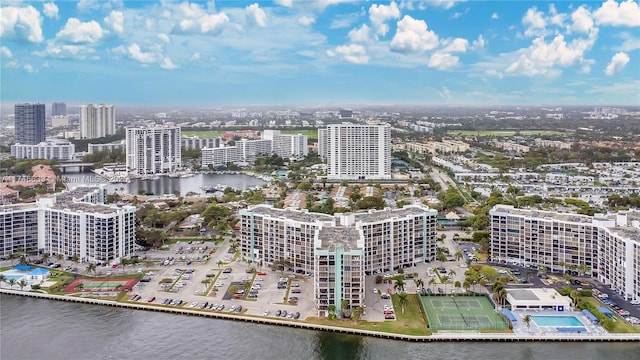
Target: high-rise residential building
[50, 150]
[29, 123]
[58, 109]
[220, 156]
[72, 223]
[339, 250]
[322, 143]
[97, 121]
[358, 152]
[606, 247]
[153, 150]
[196, 143]
[287, 146]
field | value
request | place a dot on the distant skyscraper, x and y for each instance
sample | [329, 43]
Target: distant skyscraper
[29, 123]
[58, 109]
[358, 152]
[97, 121]
[154, 150]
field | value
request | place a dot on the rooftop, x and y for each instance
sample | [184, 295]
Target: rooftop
[341, 236]
[296, 215]
[380, 215]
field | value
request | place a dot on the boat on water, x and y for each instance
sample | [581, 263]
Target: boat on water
[149, 177]
[213, 188]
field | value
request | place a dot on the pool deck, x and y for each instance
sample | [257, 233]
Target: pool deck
[520, 328]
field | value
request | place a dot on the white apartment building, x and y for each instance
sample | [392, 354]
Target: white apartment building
[97, 120]
[220, 156]
[604, 246]
[287, 146]
[61, 150]
[92, 148]
[250, 150]
[359, 152]
[322, 143]
[386, 240]
[200, 143]
[154, 150]
[72, 223]
[435, 147]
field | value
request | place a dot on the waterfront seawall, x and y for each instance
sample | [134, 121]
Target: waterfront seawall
[438, 337]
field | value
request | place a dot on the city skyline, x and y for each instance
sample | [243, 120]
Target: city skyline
[326, 52]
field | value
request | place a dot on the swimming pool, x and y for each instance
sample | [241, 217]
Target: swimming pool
[13, 277]
[565, 321]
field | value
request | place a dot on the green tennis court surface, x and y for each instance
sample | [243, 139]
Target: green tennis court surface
[461, 313]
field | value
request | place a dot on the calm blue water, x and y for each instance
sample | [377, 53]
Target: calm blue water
[34, 329]
[556, 321]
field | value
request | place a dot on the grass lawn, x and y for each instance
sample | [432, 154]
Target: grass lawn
[309, 133]
[202, 133]
[504, 132]
[412, 322]
[619, 326]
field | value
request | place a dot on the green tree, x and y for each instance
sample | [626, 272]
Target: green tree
[91, 268]
[527, 322]
[457, 255]
[402, 299]
[12, 282]
[331, 309]
[399, 285]
[22, 283]
[45, 257]
[75, 259]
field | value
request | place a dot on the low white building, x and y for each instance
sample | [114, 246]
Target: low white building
[542, 299]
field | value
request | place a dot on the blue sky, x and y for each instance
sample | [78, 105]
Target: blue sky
[289, 52]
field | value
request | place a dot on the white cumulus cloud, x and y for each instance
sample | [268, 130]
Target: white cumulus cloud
[353, 53]
[379, 14]
[534, 22]
[495, 16]
[445, 4]
[626, 13]
[78, 32]
[194, 19]
[164, 38]
[167, 64]
[50, 10]
[582, 21]
[116, 21]
[21, 24]
[285, 3]
[138, 55]
[443, 61]
[5, 53]
[361, 34]
[306, 20]
[256, 15]
[445, 93]
[618, 62]
[456, 45]
[541, 57]
[412, 36]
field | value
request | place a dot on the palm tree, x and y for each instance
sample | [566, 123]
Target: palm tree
[399, 285]
[12, 257]
[457, 255]
[11, 283]
[527, 321]
[419, 283]
[502, 296]
[457, 284]
[466, 285]
[2, 278]
[432, 282]
[45, 257]
[451, 273]
[220, 263]
[402, 299]
[22, 283]
[75, 259]
[59, 257]
[91, 268]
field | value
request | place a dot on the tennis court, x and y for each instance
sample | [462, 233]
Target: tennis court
[464, 313]
[100, 285]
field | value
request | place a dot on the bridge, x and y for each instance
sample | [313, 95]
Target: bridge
[82, 166]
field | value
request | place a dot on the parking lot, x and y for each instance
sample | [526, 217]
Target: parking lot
[184, 285]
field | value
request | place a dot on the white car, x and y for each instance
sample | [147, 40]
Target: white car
[267, 312]
[375, 291]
